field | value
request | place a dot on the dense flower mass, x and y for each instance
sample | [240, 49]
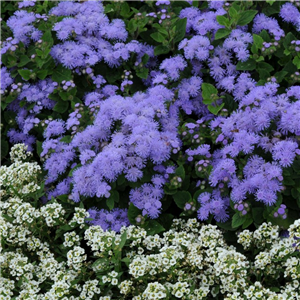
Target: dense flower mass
[154, 104]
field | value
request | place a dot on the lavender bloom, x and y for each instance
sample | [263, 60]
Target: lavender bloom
[147, 198]
[213, 204]
[66, 8]
[213, 4]
[285, 152]
[190, 13]
[289, 13]
[197, 47]
[21, 25]
[172, 66]
[238, 42]
[6, 80]
[261, 178]
[109, 220]
[262, 22]
[54, 128]
[26, 3]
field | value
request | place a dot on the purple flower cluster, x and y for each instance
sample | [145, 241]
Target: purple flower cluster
[6, 80]
[21, 24]
[91, 29]
[213, 203]
[109, 220]
[147, 198]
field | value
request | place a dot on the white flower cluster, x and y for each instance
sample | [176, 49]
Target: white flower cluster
[43, 258]
[20, 178]
[53, 213]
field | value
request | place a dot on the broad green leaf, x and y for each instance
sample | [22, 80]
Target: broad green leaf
[232, 12]
[161, 50]
[24, 60]
[42, 74]
[288, 39]
[158, 37]
[246, 17]
[125, 10]
[4, 148]
[181, 198]
[223, 21]
[296, 62]
[265, 66]
[257, 214]
[209, 92]
[133, 212]
[271, 2]
[222, 32]
[265, 36]
[47, 37]
[153, 227]
[280, 75]
[61, 106]
[180, 30]
[237, 220]
[247, 222]
[60, 73]
[180, 172]
[258, 41]
[25, 74]
[142, 73]
[215, 109]
[248, 65]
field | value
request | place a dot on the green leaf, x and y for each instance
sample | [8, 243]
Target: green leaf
[223, 21]
[123, 240]
[296, 62]
[61, 106]
[222, 32]
[257, 41]
[60, 73]
[246, 17]
[232, 12]
[265, 66]
[180, 30]
[133, 212]
[237, 220]
[47, 37]
[271, 2]
[180, 172]
[288, 39]
[215, 109]
[153, 227]
[142, 73]
[25, 74]
[208, 93]
[125, 10]
[158, 37]
[257, 214]
[161, 50]
[280, 75]
[42, 74]
[247, 222]
[24, 60]
[295, 193]
[4, 148]
[181, 198]
[265, 36]
[248, 65]
[114, 197]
